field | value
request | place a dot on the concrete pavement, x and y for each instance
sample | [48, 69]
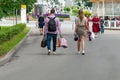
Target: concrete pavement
[31, 62]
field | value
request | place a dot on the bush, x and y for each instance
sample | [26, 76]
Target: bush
[76, 7]
[62, 15]
[86, 12]
[10, 44]
[6, 33]
[75, 11]
[67, 9]
[59, 15]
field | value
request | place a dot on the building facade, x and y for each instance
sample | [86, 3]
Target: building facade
[69, 2]
[106, 7]
[40, 6]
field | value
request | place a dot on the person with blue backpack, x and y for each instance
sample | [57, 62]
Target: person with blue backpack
[51, 30]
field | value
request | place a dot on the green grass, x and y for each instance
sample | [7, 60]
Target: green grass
[8, 45]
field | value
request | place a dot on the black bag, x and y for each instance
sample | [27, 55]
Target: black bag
[75, 37]
[52, 25]
[89, 34]
[44, 42]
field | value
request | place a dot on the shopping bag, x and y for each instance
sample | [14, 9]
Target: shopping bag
[44, 42]
[58, 42]
[64, 43]
[92, 35]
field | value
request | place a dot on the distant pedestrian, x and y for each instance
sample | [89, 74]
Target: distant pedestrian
[80, 30]
[96, 27]
[52, 28]
[89, 33]
[28, 18]
[101, 25]
[41, 23]
[88, 20]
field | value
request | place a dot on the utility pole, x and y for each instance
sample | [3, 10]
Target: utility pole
[15, 11]
[16, 15]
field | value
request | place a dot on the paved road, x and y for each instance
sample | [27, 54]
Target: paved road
[101, 62]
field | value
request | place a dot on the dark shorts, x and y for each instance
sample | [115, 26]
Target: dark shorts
[40, 26]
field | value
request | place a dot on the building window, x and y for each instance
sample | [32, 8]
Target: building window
[116, 8]
[108, 8]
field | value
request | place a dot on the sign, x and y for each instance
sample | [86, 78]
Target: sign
[23, 6]
[23, 14]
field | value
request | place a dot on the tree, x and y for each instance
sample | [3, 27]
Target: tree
[86, 12]
[77, 0]
[67, 9]
[53, 1]
[8, 6]
[87, 3]
[57, 2]
[29, 4]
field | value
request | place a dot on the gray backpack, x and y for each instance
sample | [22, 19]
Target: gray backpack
[52, 25]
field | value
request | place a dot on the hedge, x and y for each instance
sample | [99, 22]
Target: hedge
[6, 33]
[67, 9]
[59, 15]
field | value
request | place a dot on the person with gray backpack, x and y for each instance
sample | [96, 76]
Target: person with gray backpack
[51, 30]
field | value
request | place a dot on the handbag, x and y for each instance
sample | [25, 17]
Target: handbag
[75, 37]
[44, 42]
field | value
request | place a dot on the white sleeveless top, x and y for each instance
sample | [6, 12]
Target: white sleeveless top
[81, 26]
[81, 22]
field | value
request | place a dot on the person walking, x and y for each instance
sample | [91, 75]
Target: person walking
[101, 25]
[41, 23]
[81, 29]
[28, 18]
[89, 33]
[51, 30]
[96, 27]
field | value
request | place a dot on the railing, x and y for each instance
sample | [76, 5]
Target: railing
[112, 24]
[109, 25]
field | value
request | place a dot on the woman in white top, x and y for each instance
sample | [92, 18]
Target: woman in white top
[80, 30]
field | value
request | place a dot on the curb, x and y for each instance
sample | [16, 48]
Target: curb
[9, 55]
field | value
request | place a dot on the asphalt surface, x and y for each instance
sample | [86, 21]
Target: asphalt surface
[31, 62]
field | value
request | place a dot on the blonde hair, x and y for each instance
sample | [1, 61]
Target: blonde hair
[81, 12]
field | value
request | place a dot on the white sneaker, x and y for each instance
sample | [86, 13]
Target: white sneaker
[96, 36]
[54, 52]
[49, 52]
[83, 52]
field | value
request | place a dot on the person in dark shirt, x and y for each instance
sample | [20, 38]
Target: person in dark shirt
[41, 23]
[101, 25]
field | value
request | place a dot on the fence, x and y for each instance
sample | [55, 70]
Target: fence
[109, 25]
[112, 24]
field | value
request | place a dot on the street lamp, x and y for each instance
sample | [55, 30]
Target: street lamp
[15, 11]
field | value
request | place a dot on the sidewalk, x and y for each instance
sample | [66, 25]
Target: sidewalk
[67, 27]
[31, 62]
